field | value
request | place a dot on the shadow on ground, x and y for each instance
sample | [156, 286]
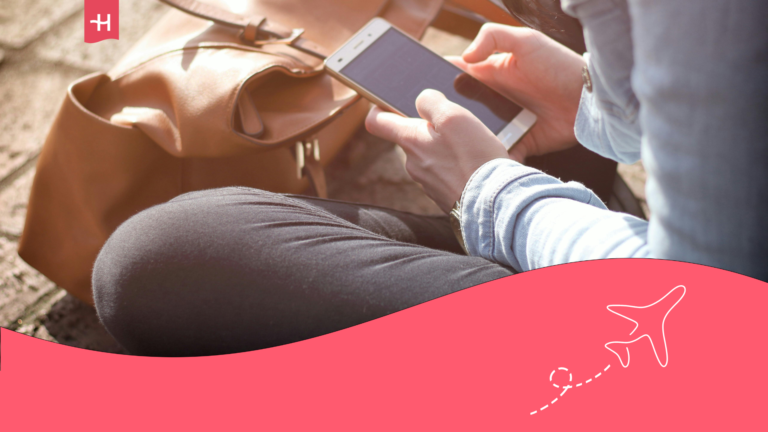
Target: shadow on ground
[72, 322]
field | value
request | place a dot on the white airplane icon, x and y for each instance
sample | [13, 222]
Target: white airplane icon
[650, 320]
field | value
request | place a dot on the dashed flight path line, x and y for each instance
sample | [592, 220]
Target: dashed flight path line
[567, 386]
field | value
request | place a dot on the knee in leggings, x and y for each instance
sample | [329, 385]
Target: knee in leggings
[149, 280]
[118, 279]
[130, 283]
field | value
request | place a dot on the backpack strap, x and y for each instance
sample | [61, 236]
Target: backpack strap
[308, 162]
[257, 30]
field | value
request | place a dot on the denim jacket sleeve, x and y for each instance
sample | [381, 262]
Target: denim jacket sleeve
[523, 218]
[692, 101]
[607, 120]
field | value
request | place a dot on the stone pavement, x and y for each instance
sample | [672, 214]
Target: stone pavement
[41, 52]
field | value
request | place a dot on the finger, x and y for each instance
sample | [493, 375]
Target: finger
[393, 127]
[473, 89]
[458, 62]
[433, 106]
[518, 153]
[484, 72]
[481, 71]
[494, 38]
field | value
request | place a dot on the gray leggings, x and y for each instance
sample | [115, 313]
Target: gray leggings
[238, 269]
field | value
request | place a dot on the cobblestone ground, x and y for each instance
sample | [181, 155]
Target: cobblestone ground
[41, 52]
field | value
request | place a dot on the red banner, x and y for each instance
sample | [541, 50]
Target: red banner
[616, 344]
[102, 20]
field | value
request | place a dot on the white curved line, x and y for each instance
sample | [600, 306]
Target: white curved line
[663, 334]
[565, 389]
[617, 354]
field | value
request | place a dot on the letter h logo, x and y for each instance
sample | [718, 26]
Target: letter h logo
[97, 28]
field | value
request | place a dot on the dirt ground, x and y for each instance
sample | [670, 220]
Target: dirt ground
[41, 52]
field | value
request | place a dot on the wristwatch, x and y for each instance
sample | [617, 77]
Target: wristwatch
[455, 217]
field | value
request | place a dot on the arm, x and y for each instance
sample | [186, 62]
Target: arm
[545, 77]
[504, 200]
[700, 79]
[513, 214]
[519, 216]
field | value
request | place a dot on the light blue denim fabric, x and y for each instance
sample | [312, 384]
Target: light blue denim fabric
[682, 84]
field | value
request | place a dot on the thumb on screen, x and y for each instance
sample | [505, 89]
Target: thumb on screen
[494, 38]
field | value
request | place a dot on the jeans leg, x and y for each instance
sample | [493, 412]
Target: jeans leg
[237, 269]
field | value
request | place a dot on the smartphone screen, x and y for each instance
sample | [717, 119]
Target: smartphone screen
[397, 69]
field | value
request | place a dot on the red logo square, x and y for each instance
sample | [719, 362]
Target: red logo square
[102, 20]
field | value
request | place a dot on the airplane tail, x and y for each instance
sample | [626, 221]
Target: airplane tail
[621, 349]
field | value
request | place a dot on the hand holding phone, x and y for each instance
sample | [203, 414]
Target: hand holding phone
[443, 148]
[447, 133]
[536, 71]
[392, 69]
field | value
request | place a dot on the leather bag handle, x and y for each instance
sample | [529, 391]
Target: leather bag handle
[257, 29]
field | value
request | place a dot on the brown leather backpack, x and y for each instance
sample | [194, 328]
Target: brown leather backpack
[206, 99]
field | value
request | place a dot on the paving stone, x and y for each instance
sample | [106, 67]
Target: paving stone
[444, 43]
[635, 177]
[31, 93]
[22, 21]
[71, 322]
[21, 286]
[404, 197]
[41, 333]
[372, 171]
[64, 44]
[388, 168]
[13, 205]
[387, 183]
[63, 319]
[30, 303]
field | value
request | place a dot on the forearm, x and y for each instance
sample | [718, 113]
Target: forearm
[521, 217]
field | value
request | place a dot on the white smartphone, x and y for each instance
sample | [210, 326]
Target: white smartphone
[391, 69]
